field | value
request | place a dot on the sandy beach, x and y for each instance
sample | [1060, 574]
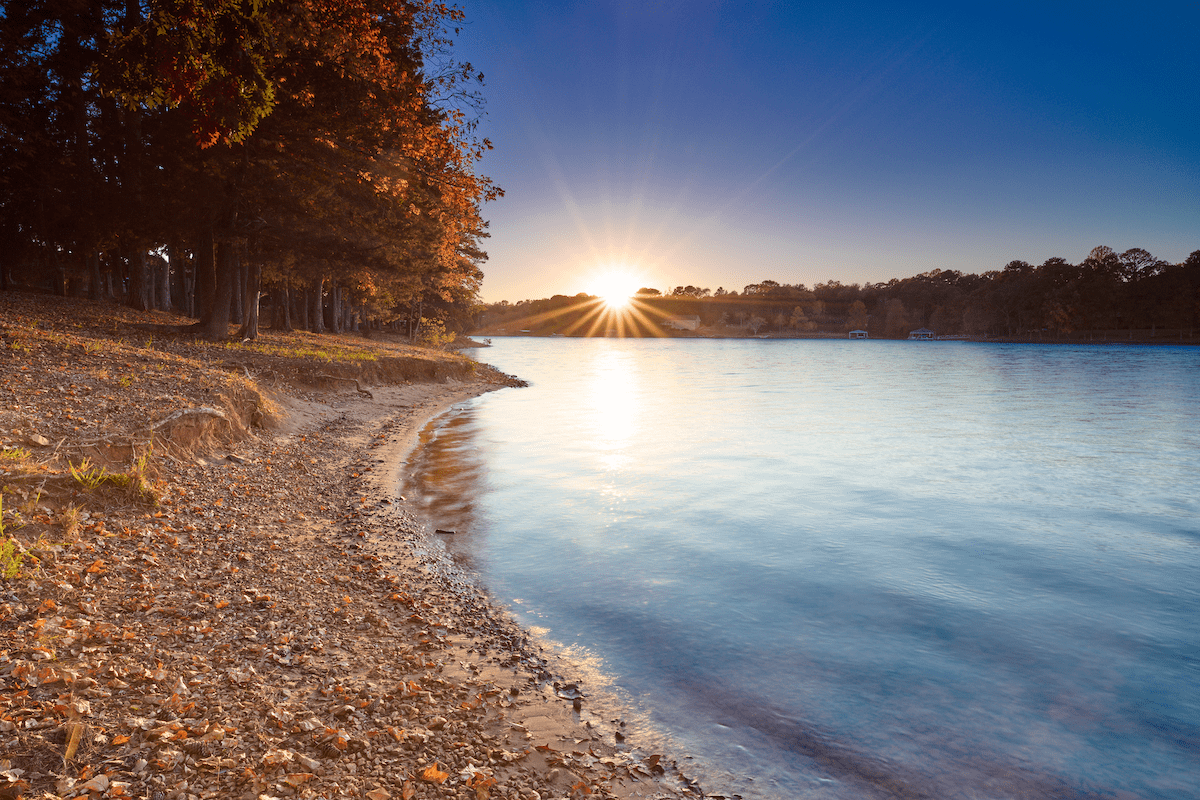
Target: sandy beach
[278, 624]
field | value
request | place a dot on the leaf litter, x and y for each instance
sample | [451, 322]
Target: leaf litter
[268, 629]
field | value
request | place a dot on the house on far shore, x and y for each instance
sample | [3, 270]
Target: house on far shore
[858, 334]
[682, 322]
[922, 333]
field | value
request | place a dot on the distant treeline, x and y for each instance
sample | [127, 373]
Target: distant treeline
[1107, 294]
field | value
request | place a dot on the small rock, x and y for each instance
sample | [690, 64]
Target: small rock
[36, 440]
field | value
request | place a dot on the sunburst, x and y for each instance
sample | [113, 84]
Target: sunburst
[615, 288]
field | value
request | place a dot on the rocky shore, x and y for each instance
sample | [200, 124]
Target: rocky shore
[236, 604]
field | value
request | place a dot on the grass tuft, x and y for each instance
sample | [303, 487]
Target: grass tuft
[134, 483]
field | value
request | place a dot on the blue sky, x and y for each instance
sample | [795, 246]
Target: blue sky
[720, 144]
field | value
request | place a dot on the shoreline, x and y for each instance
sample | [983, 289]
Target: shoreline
[235, 605]
[283, 627]
[558, 707]
[208, 587]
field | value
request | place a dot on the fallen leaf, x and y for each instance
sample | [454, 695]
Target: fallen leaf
[298, 778]
[433, 774]
[97, 784]
[482, 785]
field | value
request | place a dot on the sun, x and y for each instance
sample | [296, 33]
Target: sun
[614, 288]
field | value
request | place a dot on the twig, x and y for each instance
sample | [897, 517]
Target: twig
[350, 380]
[202, 411]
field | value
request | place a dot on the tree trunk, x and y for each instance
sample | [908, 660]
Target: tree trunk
[249, 329]
[302, 306]
[60, 276]
[140, 290]
[152, 278]
[238, 304]
[335, 310]
[110, 281]
[178, 284]
[414, 319]
[95, 279]
[214, 324]
[281, 309]
[205, 278]
[216, 327]
[317, 317]
[163, 284]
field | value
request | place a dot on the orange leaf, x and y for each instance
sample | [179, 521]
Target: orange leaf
[120, 739]
[481, 785]
[433, 774]
[408, 792]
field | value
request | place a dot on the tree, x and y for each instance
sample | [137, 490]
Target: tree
[309, 142]
[896, 324]
[857, 318]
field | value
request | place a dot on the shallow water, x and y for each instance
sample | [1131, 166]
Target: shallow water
[837, 569]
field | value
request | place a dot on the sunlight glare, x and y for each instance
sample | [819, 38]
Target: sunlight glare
[615, 288]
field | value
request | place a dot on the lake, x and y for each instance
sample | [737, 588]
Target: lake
[848, 569]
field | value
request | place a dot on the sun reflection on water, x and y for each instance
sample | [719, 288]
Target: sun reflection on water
[612, 400]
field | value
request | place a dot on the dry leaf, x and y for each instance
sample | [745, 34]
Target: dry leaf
[433, 774]
[96, 784]
[298, 778]
[482, 784]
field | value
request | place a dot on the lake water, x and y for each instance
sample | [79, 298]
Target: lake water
[835, 569]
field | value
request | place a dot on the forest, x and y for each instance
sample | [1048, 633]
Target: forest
[1107, 296]
[198, 155]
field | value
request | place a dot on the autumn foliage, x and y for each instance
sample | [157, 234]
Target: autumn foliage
[188, 154]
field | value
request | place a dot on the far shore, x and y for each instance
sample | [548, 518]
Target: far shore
[1098, 338]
